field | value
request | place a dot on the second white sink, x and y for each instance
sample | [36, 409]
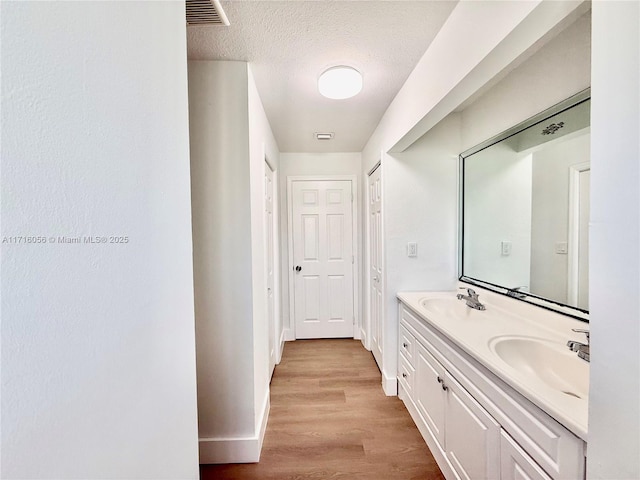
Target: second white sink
[550, 362]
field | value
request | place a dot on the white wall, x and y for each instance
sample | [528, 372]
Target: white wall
[484, 37]
[497, 198]
[98, 360]
[559, 69]
[420, 202]
[300, 164]
[230, 138]
[550, 213]
[218, 117]
[614, 397]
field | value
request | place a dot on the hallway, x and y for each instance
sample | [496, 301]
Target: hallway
[330, 420]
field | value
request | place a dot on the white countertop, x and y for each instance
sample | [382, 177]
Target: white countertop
[476, 331]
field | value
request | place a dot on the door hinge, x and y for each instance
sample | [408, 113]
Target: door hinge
[352, 260]
[354, 320]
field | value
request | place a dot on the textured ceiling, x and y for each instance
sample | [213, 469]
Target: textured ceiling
[290, 43]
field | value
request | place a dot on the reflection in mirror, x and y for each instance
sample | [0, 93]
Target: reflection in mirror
[526, 209]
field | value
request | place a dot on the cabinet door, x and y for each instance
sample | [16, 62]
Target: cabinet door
[472, 436]
[515, 464]
[429, 396]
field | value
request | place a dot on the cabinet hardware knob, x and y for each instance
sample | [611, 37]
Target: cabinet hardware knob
[405, 345]
[441, 382]
[404, 375]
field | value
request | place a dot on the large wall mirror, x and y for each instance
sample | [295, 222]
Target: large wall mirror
[525, 210]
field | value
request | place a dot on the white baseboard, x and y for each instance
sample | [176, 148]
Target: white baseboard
[356, 332]
[280, 348]
[389, 385]
[289, 335]
[364, 339]
[238, 449]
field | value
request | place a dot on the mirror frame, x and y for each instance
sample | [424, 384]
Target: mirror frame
[527, 297]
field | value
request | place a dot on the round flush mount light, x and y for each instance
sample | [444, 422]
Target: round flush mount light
[340, 82]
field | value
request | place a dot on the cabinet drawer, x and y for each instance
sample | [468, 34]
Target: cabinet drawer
[515, 464]
[406, 374]
[407, 344]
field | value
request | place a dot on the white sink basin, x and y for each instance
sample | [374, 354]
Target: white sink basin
[444, 305]
[550, 362]
[454, 308]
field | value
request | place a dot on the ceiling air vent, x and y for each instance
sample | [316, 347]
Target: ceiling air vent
[323, 136]
[205, 12]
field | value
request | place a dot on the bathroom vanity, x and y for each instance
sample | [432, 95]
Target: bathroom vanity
[495, 393]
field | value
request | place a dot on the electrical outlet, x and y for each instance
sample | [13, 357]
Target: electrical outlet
[505, 248]
[412, 249]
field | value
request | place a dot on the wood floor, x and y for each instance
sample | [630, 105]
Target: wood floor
[331, 420]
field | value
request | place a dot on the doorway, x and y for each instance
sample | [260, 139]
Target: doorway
[323, 250]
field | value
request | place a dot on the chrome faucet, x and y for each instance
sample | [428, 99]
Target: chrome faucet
[516, 292]
[471, 298]
[581, 348]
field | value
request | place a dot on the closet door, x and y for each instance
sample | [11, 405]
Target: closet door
[375, 263]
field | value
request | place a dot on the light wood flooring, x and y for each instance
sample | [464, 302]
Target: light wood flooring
[331, 420]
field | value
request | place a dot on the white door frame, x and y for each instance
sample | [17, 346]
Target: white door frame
[574, 224]
[354, 231]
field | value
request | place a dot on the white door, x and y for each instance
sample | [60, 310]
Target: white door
[375, 264]
[269, 258]
[322, 235]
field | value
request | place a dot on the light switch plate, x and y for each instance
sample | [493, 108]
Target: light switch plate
[562, 248]
[412, 249]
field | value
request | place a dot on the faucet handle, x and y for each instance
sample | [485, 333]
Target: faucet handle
[470, 291]
[582, 330]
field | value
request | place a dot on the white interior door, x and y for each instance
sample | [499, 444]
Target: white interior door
[269, 258]
[375, 264]
[322, 236]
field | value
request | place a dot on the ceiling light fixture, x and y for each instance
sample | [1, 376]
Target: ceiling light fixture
[340, 82]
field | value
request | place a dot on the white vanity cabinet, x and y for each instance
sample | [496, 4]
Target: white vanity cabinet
[476, 426]
[463, 429]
